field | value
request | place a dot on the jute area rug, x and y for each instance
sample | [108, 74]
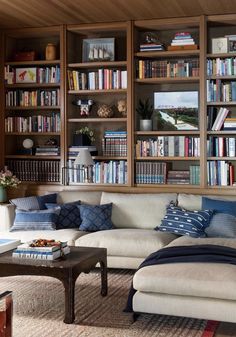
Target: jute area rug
[39, 310]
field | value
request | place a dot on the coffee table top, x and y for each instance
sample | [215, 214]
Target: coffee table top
[77, 256]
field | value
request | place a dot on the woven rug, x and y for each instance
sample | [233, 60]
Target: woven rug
[39, 310]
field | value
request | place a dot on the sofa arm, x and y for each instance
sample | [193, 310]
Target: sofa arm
[7, 216]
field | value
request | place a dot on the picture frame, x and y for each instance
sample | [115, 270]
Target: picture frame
[232, 44]
[26, 75]
[102, 49]
[220, 45]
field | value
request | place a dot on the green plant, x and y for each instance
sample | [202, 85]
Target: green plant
[86, 131]
[145, 109]
[7, 179]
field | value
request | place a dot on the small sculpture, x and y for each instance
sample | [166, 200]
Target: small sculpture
[105, 111]
[85, 106]
[122, 107]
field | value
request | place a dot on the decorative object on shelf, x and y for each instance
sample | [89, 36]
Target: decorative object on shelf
[105, 111]
[85, 106]
[50, 52]
[182, 40]
[150, 42]
[98, 49]
[26, 75]
[83, 136]
[25, 56]
[7, 179]
[51, 142]
[219, 45]
[122, 107]
[231, 43]
[28, 146]
[85, 159]
[145, 110]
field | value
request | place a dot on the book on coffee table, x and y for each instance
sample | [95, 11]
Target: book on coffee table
[8, 244]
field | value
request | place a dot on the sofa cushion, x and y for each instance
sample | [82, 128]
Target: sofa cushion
[69, 216]
[86, 197]
[34, 202]
[194, 202]
[190, 279]
[222, 225]
[137, 210]
[35, 220]
[220, 206]
[184, 222]
[95, 217]
[69, 235]
[127, 242]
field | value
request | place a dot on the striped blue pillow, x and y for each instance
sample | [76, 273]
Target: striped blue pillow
[183, 222]
[34, 202]
[35, 220]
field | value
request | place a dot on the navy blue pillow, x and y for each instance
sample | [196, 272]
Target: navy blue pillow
[219, 206]
[183, 222]
[47, 198]
[69, 216]
[95, 217]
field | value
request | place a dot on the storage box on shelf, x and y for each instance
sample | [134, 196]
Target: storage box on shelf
[97, 68]
[33, 103]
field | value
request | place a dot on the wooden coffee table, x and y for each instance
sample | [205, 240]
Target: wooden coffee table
[66, 269]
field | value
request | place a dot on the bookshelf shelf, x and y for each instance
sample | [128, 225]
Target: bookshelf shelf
[162, 80]
[90, 65]
[97, 120]
[167, 54]
[98, 92]
[33, 63]
[221, 158]
[21, 156]
[32, 133]
[32, 108]
[167, 133]
[167, 158]
[32, 85]
[219, 103]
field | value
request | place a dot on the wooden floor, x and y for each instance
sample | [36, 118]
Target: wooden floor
[226, 330]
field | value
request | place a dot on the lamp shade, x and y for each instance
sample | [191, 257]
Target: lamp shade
[84, 158]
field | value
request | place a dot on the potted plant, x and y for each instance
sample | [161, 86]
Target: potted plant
[83, 137]
[7, 179]
[145, 110]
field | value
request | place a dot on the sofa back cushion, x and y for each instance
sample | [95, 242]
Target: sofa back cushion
[86, 197]
[194, 202]
[137, 210]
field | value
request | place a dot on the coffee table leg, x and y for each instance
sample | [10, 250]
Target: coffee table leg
[103, 266]
[69, 285]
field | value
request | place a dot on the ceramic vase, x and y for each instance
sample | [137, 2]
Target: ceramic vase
[3, 194]
[50, 53]
[145, 125]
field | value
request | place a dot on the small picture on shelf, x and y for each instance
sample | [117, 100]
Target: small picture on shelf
[176, 110]
[232, 43]
[26, 75]
[98, 50]
[219, 45]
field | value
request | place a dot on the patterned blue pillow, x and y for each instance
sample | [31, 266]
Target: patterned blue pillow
[34, 202]
[183, 222]
[35, 220]
[95, 217]
[69, 216]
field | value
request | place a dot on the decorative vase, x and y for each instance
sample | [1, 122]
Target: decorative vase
[145, 125]
[3, 194]
[50, 53]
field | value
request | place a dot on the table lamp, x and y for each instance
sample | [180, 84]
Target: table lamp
[85, 159]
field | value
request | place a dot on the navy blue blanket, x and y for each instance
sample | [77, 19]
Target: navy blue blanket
[186, 254]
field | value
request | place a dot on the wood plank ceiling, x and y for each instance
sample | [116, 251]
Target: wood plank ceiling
[36, 13]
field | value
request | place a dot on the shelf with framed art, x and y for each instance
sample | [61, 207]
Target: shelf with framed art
[167, 62]
[97, 85]
[32, 90]
[221, 101]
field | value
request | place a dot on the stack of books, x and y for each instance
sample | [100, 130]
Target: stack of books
[41, 249]
[45, 150]
[229, 124]
[151, 46]
[182, 40]
[178, 177]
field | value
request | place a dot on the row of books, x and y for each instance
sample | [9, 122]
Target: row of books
[221, 147]
[97, 80]
[216, 118]
[38, 97]
[35, 170]
[104, 172]
[168, 146]
[40, 74]
[221, 66]
[221, 91]
[165, 68]
[220, 173]
[151, 172]
[38, 123]
[48, 250]
[191, 176]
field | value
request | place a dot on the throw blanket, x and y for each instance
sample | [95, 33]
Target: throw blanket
[186, 254]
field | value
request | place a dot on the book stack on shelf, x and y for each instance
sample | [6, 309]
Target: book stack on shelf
[229, 124]
[221, 66]
[178, 177]
[169, 146]
[182, 40]
[152, 46]
[114, 143]
[41, 249]
[47, 150]
[220, 173]
[74, 150]
[29, 98]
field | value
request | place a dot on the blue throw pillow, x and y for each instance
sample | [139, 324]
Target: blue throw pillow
[35, 220]
[95, 217]
[69, 216]
[219, 206]
[183, 222]
[222, 226]
[34, 202]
